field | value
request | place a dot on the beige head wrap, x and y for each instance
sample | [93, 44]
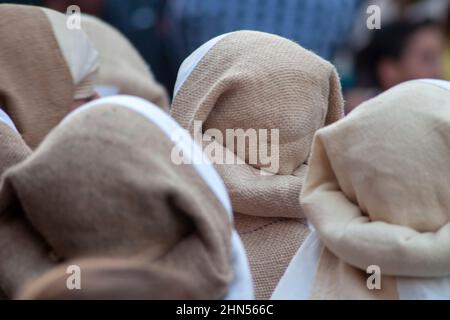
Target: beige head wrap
[45, 66]
[254, 80]
[13, 263]
[377, 193]
[100, 186]
[109, 279]
[121, 65]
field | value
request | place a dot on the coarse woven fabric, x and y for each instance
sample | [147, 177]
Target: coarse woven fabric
[254, 80]
[101, 185]
[272, 243]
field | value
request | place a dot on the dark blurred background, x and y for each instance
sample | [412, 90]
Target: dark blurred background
[413, 41]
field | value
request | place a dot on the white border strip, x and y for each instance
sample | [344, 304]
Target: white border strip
[241, 287]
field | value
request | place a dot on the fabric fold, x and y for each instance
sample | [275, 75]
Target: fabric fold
[38, 95]
[376, 194]
[257, 83]
[160, 227]
[121, 65]
[20, 245]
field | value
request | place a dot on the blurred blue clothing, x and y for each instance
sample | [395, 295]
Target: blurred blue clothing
[167, 31]
[319, 25]
[141, 22]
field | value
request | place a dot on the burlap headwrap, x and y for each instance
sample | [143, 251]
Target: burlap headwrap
[377, 193]
[253, 80]
[102, 186]
[37, 85]
[121, 65]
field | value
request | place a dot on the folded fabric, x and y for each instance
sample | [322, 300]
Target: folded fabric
[121, 65]
[45, 67]
[377, 194]
[112, 192]
[256, 81]
[109, 279]
[28, 247]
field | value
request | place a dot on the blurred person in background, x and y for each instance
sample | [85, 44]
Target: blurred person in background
[398, 52]
[395, 11]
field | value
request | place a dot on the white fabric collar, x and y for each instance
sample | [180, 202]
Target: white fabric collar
[7, 120]
[440, 83]
[241, 287]
[193, 60]
[298, 280]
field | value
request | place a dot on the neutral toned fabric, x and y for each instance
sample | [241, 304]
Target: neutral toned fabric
[36, 83]
[121, 65]
[79, 54]
[191, 62]
[19, 245]
[271, 243]
[376, 192]
[254, 80]
[298, 279]
[102, 185]
[109, 279]
[6, 119]
[241, 287]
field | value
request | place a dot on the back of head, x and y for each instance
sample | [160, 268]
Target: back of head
[255, 80]
[377, 188]
[102, 184]
[45, 67]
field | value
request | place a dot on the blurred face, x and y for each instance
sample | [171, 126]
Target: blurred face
[422, 58]
[424, 55]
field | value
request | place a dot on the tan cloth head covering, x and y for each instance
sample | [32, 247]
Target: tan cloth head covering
[102, 185]
[254, 80]
[44, 67]
[109, 279]
[377, 192]
[14, 150]
[121, 65]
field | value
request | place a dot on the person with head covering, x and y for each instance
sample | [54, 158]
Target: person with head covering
[377, 196]
[102, 193]
[46, 68]
[248, 81]
[122, 68]
[13, 151]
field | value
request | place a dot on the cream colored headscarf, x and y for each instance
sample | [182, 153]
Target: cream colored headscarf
[45, 66]
[377, 193]
[121, 65]
[253, 80]
[158, 225]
